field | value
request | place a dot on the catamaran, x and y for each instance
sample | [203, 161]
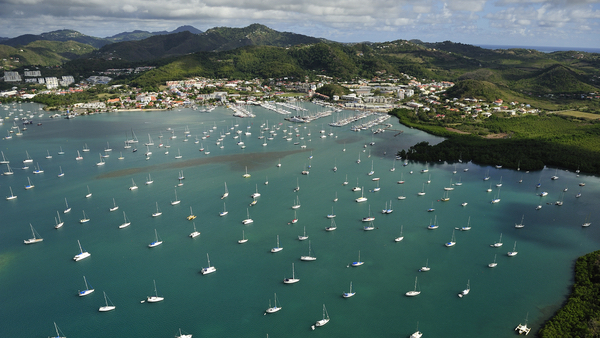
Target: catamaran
[195, 233]
[209, 269]
[248, 220]
[191, 216]
[82, 254]
[303, 236]
[362, 198]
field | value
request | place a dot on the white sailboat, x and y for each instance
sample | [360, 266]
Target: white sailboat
[296, 204]
[275, 308]
[244, 239]
[332, 215]
[514, 251]
[246, 175]
[82, 254]
[209, 269]
[349, 293]
[195, 233]
[115, 207]
[133, 186]
[4, 160]
[277, 248]
[59, 222]
[108, 148]
[467, 227]
[400, 238]
[293, 279]
[493, 264]
[497, 244]
[369, 227]
[417, 334]
[226, 193]
[414, 292]
[332, 226]
[88, 289]
[422, 192]
[297, 188]
[28, 159]
[358, 262]
[126, 222]
[155, 298]
[158, 212]
[303, 236]
[452, 240]
[60, 173]
[157, 240]
[309, 257]
[256, 194]
[465, 291]
[68, 209]
[58, 335]
[149, 180]
[224, 212]
[426, 267]
[29, 185]
[176, 201]
[522, 328]
[89, 193]
[107, 307]
[371, 172]
[101, 163]
[79, 157]
[346, 181]
[36, 237]
[178, 154]
[368, 218]
[181, 335]
[85, 218]
[497, 199]
[434, 225]
[520, 225]
[8, 171]
[248, 220]
[325, 319]
[12, 196]
[362, 197]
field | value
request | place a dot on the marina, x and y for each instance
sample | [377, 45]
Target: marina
[536, 281]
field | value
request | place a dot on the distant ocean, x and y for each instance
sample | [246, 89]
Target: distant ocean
[542, 48]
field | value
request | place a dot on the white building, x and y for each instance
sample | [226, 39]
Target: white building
[51, 82]
[33, 73]
[12, 77]
[67, 80]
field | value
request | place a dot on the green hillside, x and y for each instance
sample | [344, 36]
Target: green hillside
[45, 53]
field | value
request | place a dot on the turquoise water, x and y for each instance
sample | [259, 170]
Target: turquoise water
[39, 282]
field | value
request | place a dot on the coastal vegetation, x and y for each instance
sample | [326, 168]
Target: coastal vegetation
[580, 315]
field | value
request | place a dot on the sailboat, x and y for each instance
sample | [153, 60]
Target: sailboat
[133, 186]
[309, 257]
[369, 227]
[303, 236]
[79, 157]
[452, 240]
[332, 215]
[468, 227]
[426, 267]
[12, 196]
[497, 199]
[29, 185]
[8, 171]
[209, 269]
[246, 175]
[358, 262]
[28, 159]
[586, 222]
[358, 161]
[108, 148]
[434, 225]
[336, 198]
[297, 188]
[450, 187]
[68, 209]
[4, 160]
[400, 238]
[362, 197]
[346, 181]
[195, 233]
[89, 194]
[244, 239]
[331, 227]
[101, 163]
[156, 242]
[296, 205]
[277, 248]
[158, 212]
[85, 219]
[61, 173]
[114, 207]
[178, 154]
[155, 298]
[514, 252]
[422, 192]
[107, 307]
[126, 222]
[349, 293]
[226, 193]
[149, 180]
[59, 222]
[401, 178]
[323, 321]
[87, 289]
[497, 244]
[191, 216]
[256, 194]
[555, 177]
[248, 220]
[371, 172]
[82, 254]
[224, 212]
[58, 335]
[520, 225]
[493, 264]
[121, 157]
[414, 292]
[36, 237]
[465, 291]
[417, 334]
[522, 328]
[293, 279]
[181, 335]
[176, 201]
[368, 218]
[274, 308]
[499, 184]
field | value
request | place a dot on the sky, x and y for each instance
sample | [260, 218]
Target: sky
[556, 23]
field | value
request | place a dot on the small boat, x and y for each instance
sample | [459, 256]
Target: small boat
[107, 307]
[158, 212]
[191, 216]
[325, 319]
[224, 212]
[226, 193]
[521, 329]
[497, 244]
[514, 252]
[426, 267]
[209, 269]
[277, 248]
[195, 233]
[274, 308]
[303, 236]
[114, 207]
[58, 335]
[362, 197]
[157, 241]
[88, 289]
[244, 239]
[36, 237]
[520, 225]
[538, 207]
[248, 220]
[256, 194]
[358, 161]
[293, 279]
[493, 264]
[358, 262]
[29, 185]
[555, 177]
[587, 222]
[246, 175]
[126, 222]
[309, 257]
[349, 293]
[155, 298]
[464, 204]
[133, 186]
[346, 181]
[82, 254]
[85, 219]
[414, 292]
[465, 291]
[176, 201]
[417, 334]
[452, 240]
[297, 188]
[279, 164]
